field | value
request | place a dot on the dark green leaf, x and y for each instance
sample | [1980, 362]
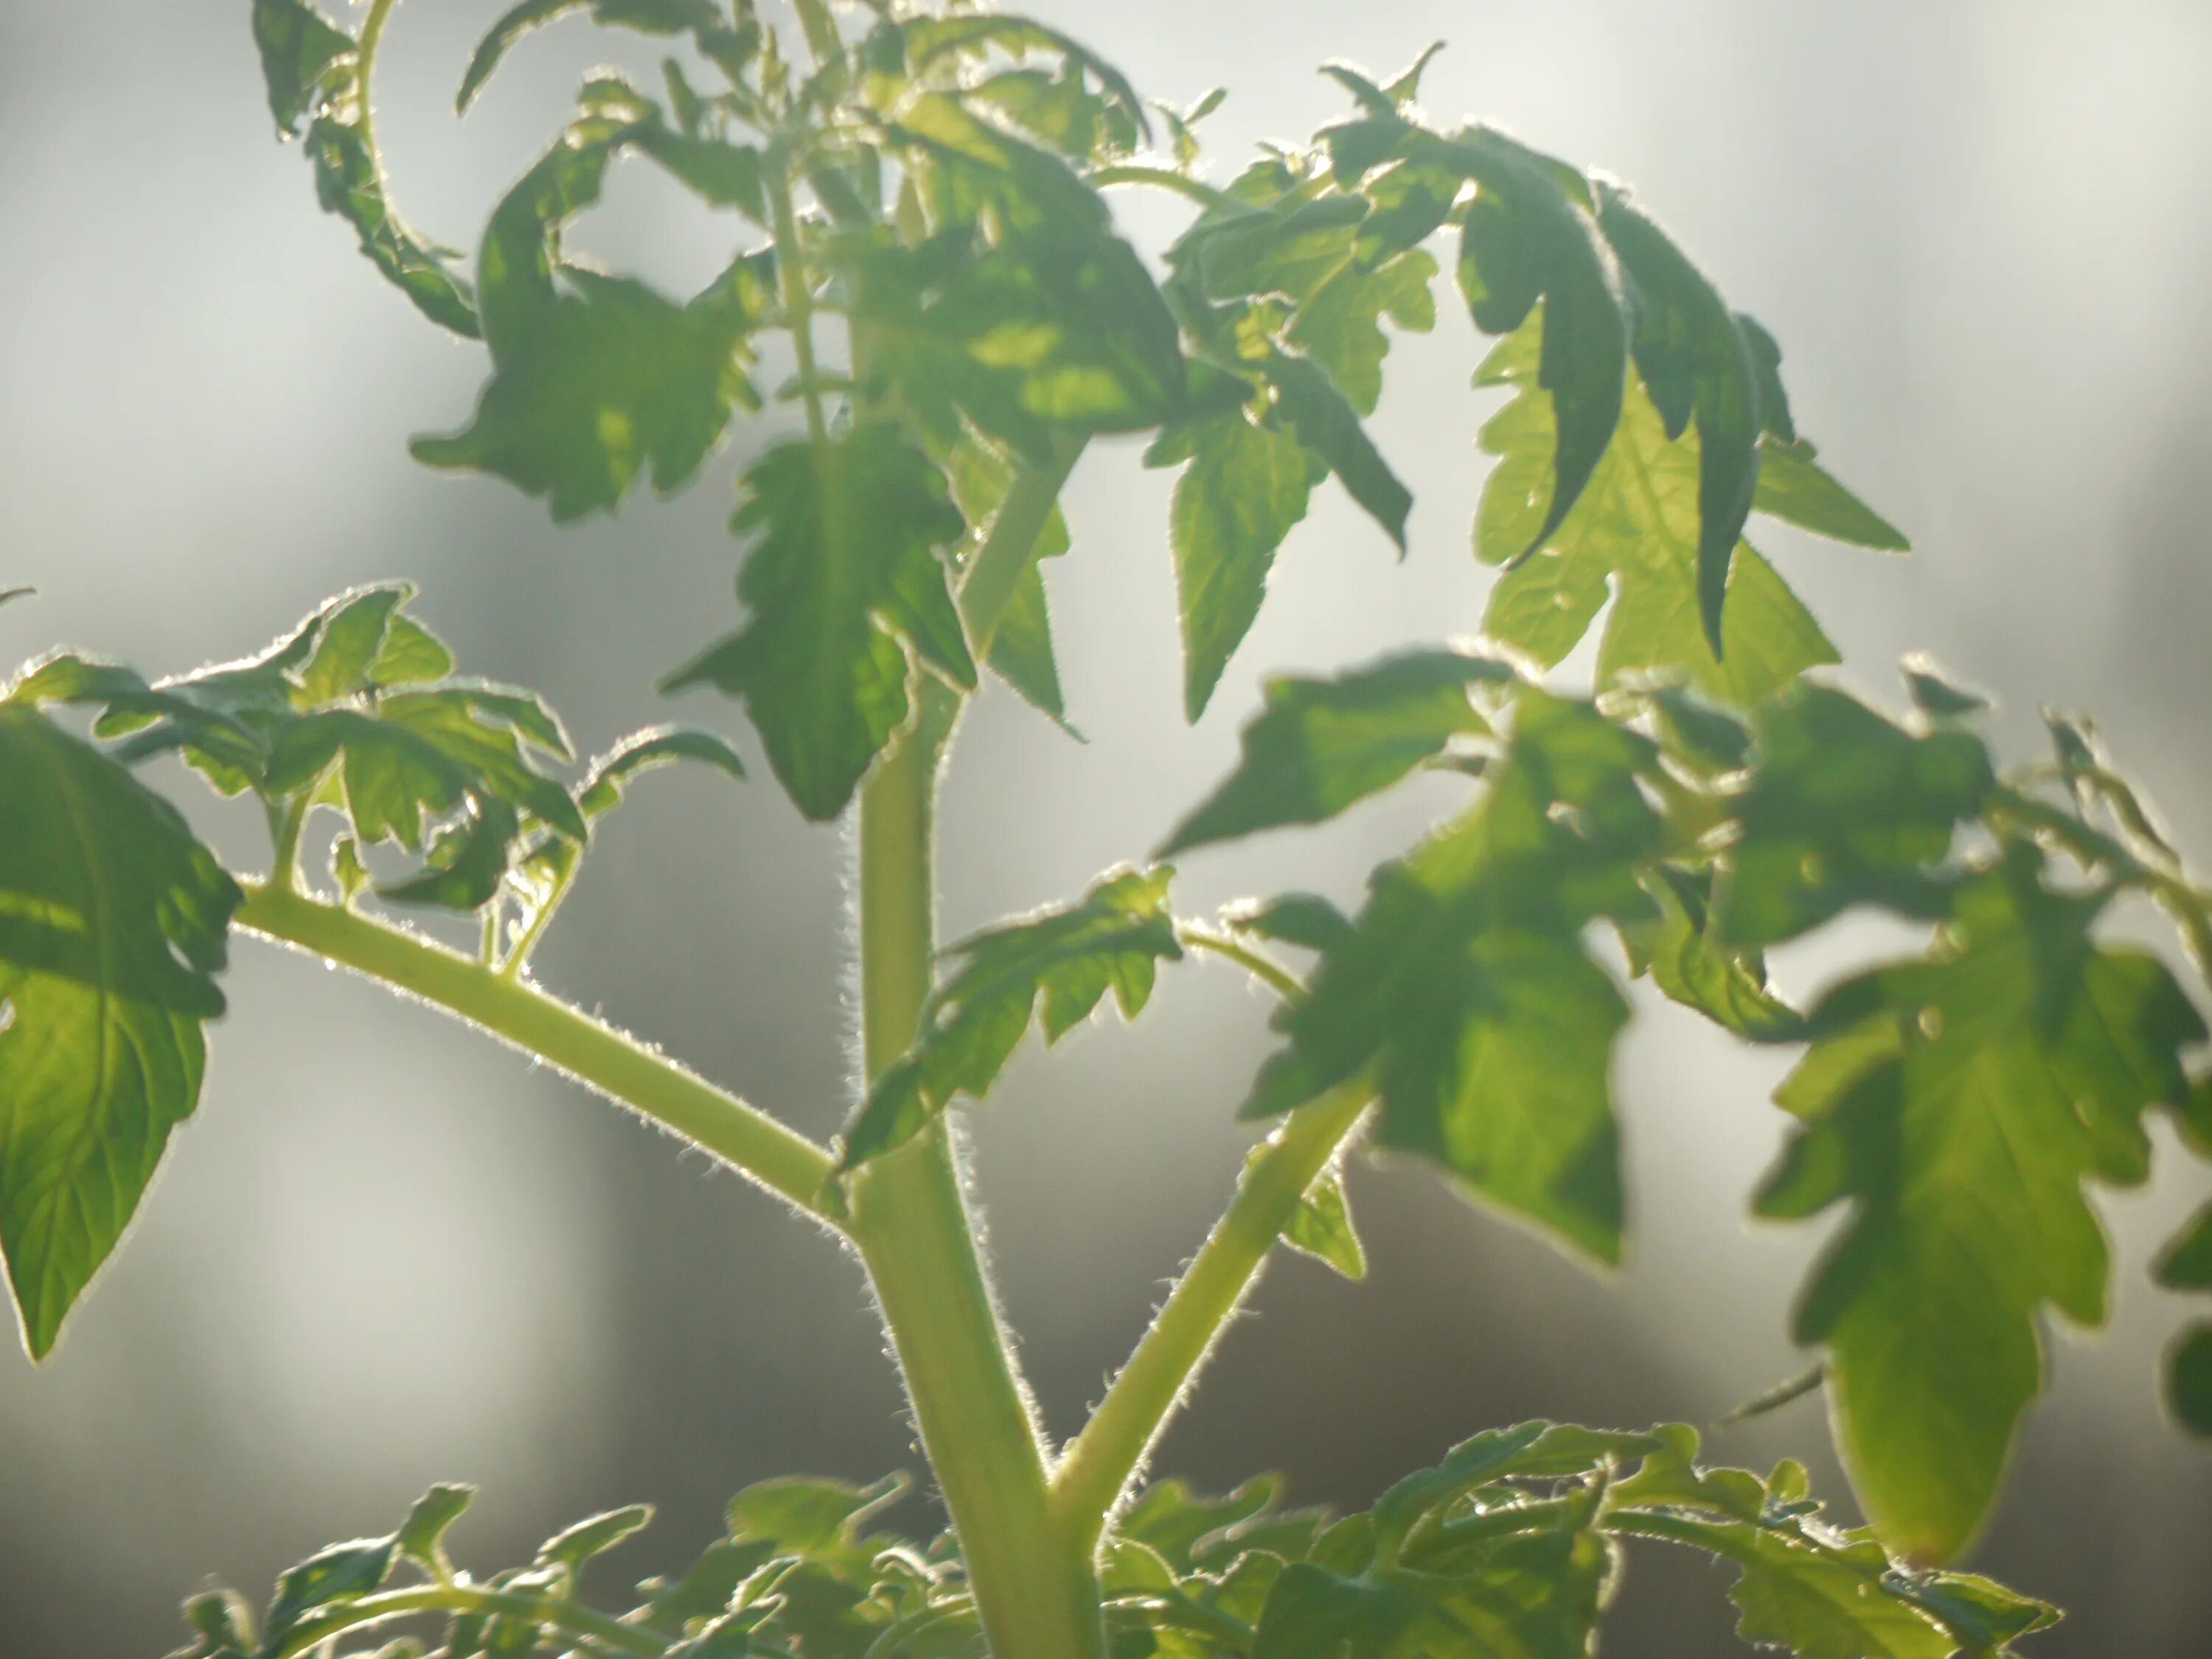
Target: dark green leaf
[1636, 528]
[1936, 695]
[1695, 364]
[1056, 967]
[2189, 1381]
[2027, 1056]
[1843, 807]
[1247, 485]
[113, 922]
[649, 16]
[1305, 919]
[343, 1572]
[1530, 236]
[2185, 1264]
[313, 72]
[1700, 971]
[843, 578]
[1318, 745]
[1021, 652]
[1326, 424]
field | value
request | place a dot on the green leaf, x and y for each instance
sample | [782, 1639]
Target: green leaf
[1695, 969]
[422, 1536]
[2189, 1381]
[1843, 807]
[1695, 364]
[1326, 424]
[2027, 1056]
[1022, 652]
[595, 1535]
[1530, 236]
[2185, 1263]
[1321, 1227]
[649, 16]
[1055, 967]
[1305, 919]
[1466, 988]
[113, 920]
[1935, 694]
[1340, 326]
[1633, 536]
[844, 578]
[1318, 745]
[649, 752]
[312, 72]
[343, 1572]
[1245, 488]
[1795, 489]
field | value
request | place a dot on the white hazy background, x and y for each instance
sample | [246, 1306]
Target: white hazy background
[386, 1253]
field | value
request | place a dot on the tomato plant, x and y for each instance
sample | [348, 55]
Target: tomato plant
[920, 201]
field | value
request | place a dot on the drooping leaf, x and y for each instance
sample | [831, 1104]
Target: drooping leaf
[844, 578]
[1466, 991]
[1794, 487]
[312, 72]
[649, 752]
[1055, 968]
[1318, 745]
[1326, 424]
[1531, 235]
[113, 920]
[2026, 1054]
[1695, 365]
[1632, 537]
[1244, 490]
[649, 16]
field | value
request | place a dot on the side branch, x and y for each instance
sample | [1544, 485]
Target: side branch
[1130, 1419]
[616, 1064]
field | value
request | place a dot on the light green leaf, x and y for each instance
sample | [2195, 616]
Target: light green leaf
[1056, 967]
[1633, 536]
[1022, 652]
[1795, 489]
[1245, 488]
[573, 1546]
[1701, 971]
[1318, 745]
[649, 16]
[422, 1536]
[649, 751]
[1321, 1227]
[2028, 1055]
[113, 920]
[343, 1572]
[1326, 424]
[844, 578]
[1340, 327]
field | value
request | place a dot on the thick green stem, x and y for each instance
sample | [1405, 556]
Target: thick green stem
[1034, 1588]
[748, 1139]
[1112, 1446]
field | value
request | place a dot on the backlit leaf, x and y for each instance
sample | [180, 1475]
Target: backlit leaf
[113, 920]
[1055, 968]
[844, 578]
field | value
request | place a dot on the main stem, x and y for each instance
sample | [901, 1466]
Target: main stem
[1034, 1588]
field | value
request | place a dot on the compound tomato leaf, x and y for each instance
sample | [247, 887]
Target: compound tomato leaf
[2027, 1056]
[1245, 488]
[1530, 236]
[1465, 989]
[1696, 364]
[844, 577]
[312, 73]
[1055, 967]
[1634, 537]
[1318, 745]
[113, 923]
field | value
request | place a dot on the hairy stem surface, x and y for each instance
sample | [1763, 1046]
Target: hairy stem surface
[1128, 1422]
[605, 1059]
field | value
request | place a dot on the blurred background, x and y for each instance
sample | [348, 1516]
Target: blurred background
[386, 1253]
